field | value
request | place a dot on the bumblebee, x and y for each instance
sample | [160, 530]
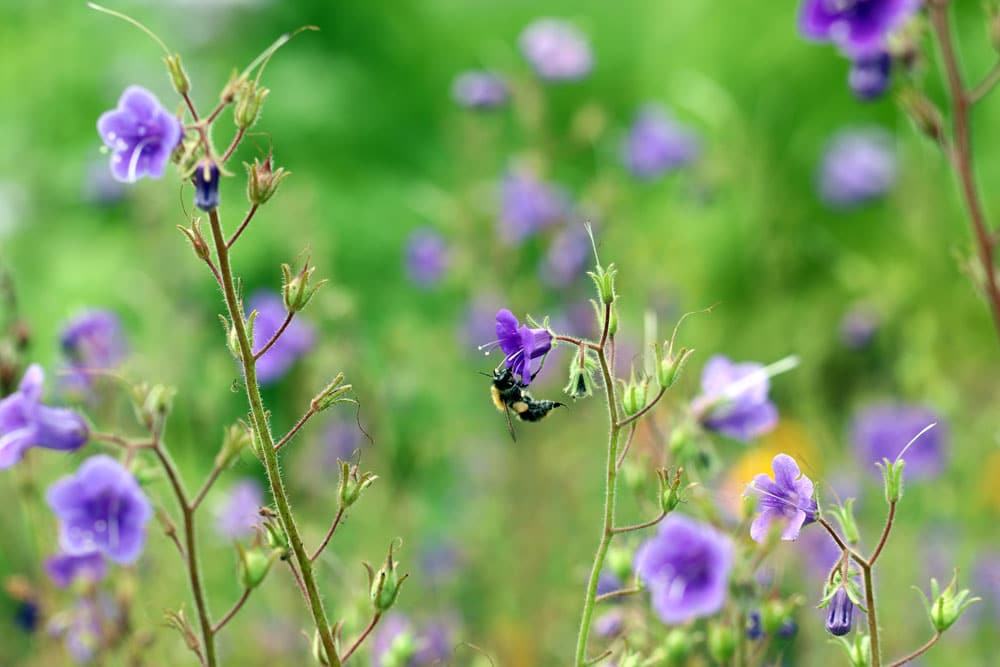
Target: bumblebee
[509, 395]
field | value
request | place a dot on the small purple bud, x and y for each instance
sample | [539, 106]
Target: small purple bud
[657, 144]
[556, 50]
[859, 166]
[754, 629]
[206, 186]
[841, 617]
[426, 257]
[480, 90]
[869, 76]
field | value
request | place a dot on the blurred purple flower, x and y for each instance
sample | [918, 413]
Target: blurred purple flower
[787, 499]
[817, 552]
[859, 166]
[527, 205]
[141, 134]
[858, 327]
[341, 438]
[238, 513]
[881, 431]
[610, 624]
[521, 345]
[440, 561]
[432, 646]
[556, 50]
[840, 618]
[99, 186]
[64, 569]
[608, 582]
[986, 574]
[92, 341]
[869, 76]
[566, 257]
[426, 257]
[297, 339]
[477, 89]
[477, 323]
[657, 143]
[686, 568]
[856, 27]
[101, 508]
[25, 422]
[82, 626]
[734, 399]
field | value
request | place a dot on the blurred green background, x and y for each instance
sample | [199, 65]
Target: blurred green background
[362, 115]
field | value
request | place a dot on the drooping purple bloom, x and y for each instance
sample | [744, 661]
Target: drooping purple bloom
[859, 166]
[657, 143]
[869, 76]
[478, 89]
[840, 618]
[556, 50]
[296, 341]
[734, 399]
[426, 257]
[521, 345]
[527, 205]
[25, 422]
[566, 257]
[101, 508]
[238, 513]
[26, 615]
[141, 135]
[858, 327]
[206, 186]
[856, 27]
[686, 568]
[755, 630]
[64, 569]
[881, 431]
[786, 499]
[92, 341]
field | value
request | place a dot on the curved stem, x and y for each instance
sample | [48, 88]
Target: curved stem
[885, 534]
[295, 429]
[985, 86]
[361, 638]
[620, 593]
[274, 339]
[960, 102]
[919, 652]
[640, 526]
[329, 535]
[647, 408]
[232, 612]
[190, 552]
[263, 431]
[243, 225]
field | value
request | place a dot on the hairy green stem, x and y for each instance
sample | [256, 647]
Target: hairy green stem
[872, 616]
[266, 440]
[609, 507]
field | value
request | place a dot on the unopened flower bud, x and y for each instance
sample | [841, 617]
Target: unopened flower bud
[669, 366]
[152, 404]
[633, 395]
[263, 180]
[197, 239]
[248, 105]
[179, 621]
[620, 562]
[677, 647]
[581, 375]
[840, 618]
[254, 564]
[721, 643]
[296, 291]
[925, 115]
[385, 584]
[670, 491]
[892, 478]
[604, 279]
[232, 87]
[235, 439]
[859, 652]
[773, 616]
[845, 517]
[178, 76]
[273, 532]
[352, 485]
[945, 607]
[332, 394]
[206, 185]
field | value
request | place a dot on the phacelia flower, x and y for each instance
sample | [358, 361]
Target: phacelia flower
[141, 135]
[656, 144]
[478, 89]
[238, 514]
[882, 431]
[102, 509]
[686, 568]
[734, 399]
[296, 341]
[787, 498]
[528, 205]
[521, 345]
[64, 569]
[25, 422]
[566, 257]
[856, 27]
[426, 257]
[869, 76]
[556, 50]
[840, 618]
[858, 166]
[206, 186]
[92, 341]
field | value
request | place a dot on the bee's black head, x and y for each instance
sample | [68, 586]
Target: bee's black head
[503, 378]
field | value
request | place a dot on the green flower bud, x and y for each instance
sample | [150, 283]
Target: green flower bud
[385, 584]
[892, 478]
[721, 643]
[197, 239]
[669, 366]
[773, 616]
[848, 525]
[401, 651]
[859, 651]
[296, 291]
[677, 647]
[248, 104]
[945, 607]
[604, 279]
[179, 621]
[263, 180]
[581, 375]
[670, 491]
[620, 562]
[232, 88]
[273, 532]
[633, 395]
[152, 404]
[352, 485]
[235, 439]
[254, 564]
[333, 393]
[178, 76]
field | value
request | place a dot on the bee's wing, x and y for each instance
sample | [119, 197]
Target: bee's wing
[510, 424]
